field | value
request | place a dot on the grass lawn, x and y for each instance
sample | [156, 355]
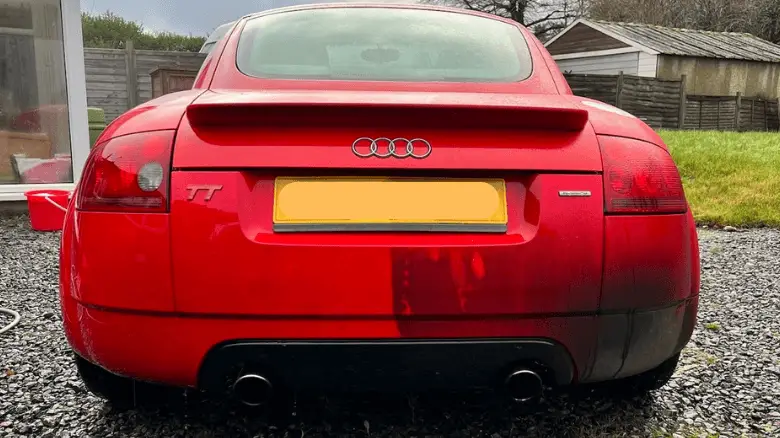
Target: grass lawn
[730, 178]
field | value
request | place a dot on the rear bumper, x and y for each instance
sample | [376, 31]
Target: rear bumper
[386, 365]
[197, 351]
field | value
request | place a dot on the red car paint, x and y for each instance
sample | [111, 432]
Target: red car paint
[148, 295]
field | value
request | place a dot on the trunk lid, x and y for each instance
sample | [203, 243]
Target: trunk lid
[229, 259]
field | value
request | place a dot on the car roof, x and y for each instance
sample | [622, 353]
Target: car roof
[353, 4]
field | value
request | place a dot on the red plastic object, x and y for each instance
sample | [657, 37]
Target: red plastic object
[47, 171]
[47, 209]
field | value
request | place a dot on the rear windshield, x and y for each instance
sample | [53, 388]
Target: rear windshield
[377, 44]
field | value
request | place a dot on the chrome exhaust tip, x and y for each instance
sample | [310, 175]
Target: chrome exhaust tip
[524, 385]
[253, 389]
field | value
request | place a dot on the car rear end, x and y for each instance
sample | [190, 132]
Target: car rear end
[351, 213]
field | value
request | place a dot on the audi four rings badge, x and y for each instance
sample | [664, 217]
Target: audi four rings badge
[383, 147]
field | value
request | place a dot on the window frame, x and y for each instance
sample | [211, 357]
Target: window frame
[76, 89]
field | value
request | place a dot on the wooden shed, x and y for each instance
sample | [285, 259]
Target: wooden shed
[715, 63]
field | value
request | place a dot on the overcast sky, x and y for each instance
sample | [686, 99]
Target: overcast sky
[197, 17]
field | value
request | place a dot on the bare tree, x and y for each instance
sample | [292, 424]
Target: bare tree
[767, 22]
[660, 12]
[547, 17]
[543, 17]
[759, 17]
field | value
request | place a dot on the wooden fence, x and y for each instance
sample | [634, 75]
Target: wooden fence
[664, 104]
[720, 113]
[118, 80]
[655, 101]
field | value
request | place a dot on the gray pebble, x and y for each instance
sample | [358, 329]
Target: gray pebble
[728, 382]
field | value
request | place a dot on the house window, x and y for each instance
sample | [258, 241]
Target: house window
[35, 141]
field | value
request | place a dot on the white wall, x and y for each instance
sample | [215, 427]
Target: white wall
[628, 63]
[648, 65]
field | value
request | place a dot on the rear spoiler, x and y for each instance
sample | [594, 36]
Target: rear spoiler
[371, 109]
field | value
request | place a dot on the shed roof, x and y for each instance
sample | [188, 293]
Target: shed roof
[686, 42]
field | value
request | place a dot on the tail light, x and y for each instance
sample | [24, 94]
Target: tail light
[640, 178]
[128, 174]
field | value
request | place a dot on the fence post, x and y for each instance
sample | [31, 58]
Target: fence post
[717, 118]
[778, 113]
[737, 111]
[132, 75]
[752, 110]
[619, 89]
[766, 115]
[701, 112]
[683, 102]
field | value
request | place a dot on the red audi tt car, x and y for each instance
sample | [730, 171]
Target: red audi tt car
[377, 197]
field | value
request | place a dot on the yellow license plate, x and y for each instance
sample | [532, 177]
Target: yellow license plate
[389, 204]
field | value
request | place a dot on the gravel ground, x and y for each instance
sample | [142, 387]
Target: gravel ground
[727, 385]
